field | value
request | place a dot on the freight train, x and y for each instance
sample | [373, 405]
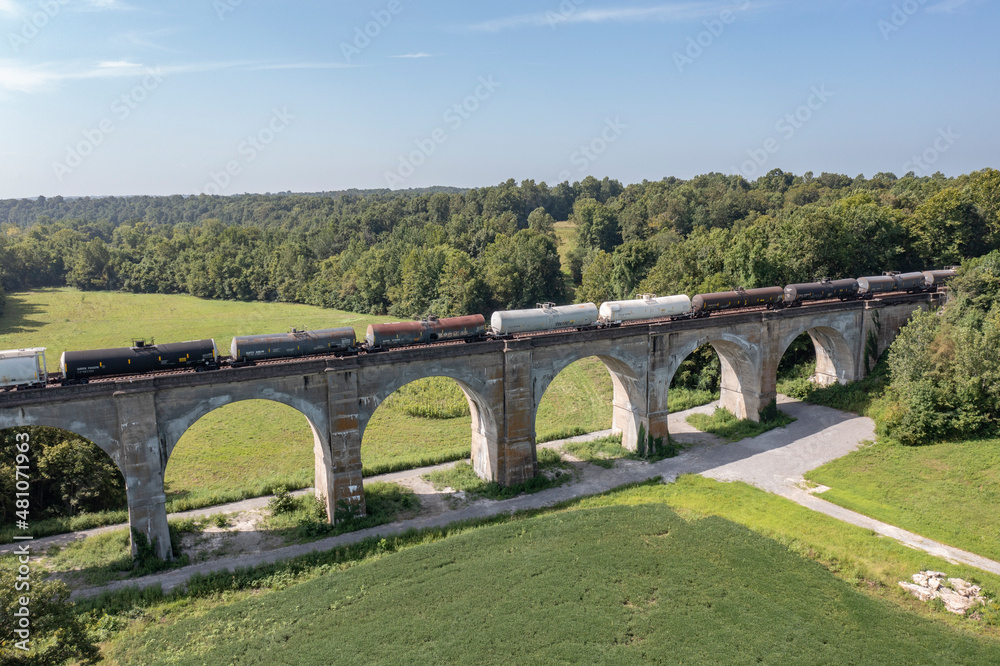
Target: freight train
[25, 368]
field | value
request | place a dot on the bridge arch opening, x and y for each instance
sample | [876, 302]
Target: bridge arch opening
[574, 399]
[424, 421]
[68, 474]
[696, 381]
[240, 449]
[820, 355]
[711, 366]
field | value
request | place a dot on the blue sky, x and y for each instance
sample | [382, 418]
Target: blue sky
[102, 97]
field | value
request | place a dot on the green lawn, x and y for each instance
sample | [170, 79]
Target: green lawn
[948, 492]
[620, 578]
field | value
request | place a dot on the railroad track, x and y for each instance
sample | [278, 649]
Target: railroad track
[55, 379]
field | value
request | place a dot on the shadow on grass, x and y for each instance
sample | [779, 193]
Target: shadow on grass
[17, 313]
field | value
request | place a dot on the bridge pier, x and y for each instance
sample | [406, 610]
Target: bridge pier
[338, 457]
[513, 459]
[144, 458]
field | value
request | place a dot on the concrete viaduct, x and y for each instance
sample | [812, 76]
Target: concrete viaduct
[138, 421]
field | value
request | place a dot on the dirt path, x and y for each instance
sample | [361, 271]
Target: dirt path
[774, 461]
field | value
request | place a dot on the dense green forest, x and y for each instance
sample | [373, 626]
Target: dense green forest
[447, 252]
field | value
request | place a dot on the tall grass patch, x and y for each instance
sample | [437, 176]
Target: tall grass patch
[722, 423]
[552, 472]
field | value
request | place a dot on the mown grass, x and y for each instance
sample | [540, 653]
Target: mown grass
[579, 398]
[552, 472]
[248, 449]
[948, 492]
[722, 423]
[620, 578]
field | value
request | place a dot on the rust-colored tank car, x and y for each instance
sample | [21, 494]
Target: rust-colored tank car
[818, 291]
[382, 336]
[702, 304]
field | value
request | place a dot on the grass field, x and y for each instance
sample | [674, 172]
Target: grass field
[247, 449]
[947, 492]
[693, 572]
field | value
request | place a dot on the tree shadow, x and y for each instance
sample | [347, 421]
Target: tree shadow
[17, 313]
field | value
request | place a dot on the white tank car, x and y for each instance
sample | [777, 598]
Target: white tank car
[647, 306]
[546, 317]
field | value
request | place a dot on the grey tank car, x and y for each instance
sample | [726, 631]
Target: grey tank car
[702, 304]
[818, 291]
[934, 279]
[875, 284]
[909, 281]
[248, 348]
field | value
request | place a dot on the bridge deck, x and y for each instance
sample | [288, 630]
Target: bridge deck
[314, 365]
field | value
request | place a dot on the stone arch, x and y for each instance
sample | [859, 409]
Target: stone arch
[740, 374]
[175, 427]
[834, 356]
[628, 379]
[176, 413]
[484, 397]
[95, 429]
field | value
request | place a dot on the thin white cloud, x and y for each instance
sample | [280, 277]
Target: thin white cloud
[102, 6]
[673, 13]
[148, 39]
[413, 55]
[303, 65]
[117, 64]
[947, 6]
[9, 7]
[17, 77]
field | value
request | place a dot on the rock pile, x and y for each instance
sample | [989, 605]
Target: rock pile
[958, 595]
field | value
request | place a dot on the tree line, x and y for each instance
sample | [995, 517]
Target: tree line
[450, 252]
